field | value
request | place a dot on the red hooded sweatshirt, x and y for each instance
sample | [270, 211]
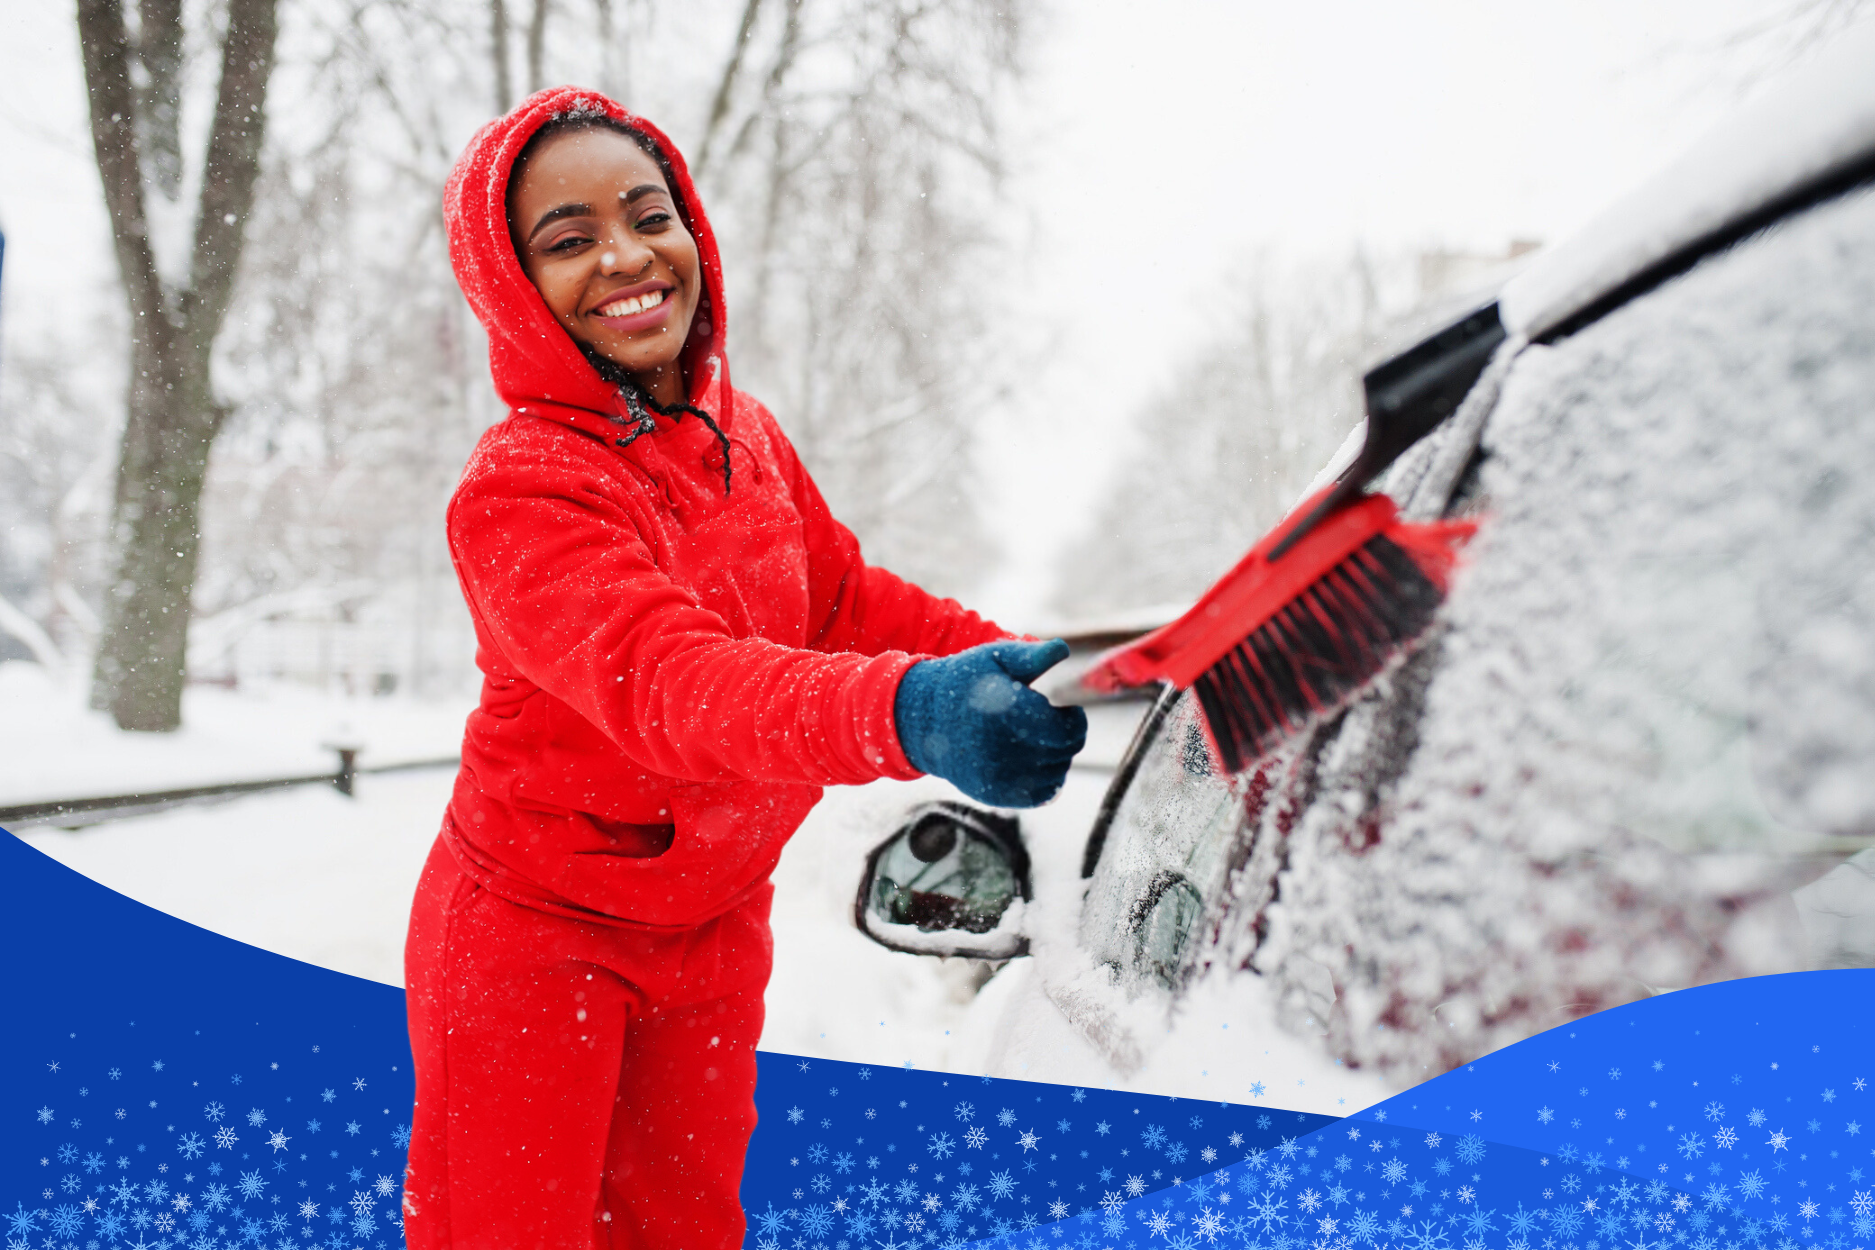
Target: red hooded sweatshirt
[672, 670]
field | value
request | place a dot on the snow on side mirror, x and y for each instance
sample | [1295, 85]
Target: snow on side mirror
[951, 880]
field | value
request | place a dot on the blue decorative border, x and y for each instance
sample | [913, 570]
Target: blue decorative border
[169, 1089]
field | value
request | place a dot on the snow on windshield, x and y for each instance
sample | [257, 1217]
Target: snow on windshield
[1651, 711]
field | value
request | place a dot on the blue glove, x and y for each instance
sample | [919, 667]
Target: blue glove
[971, 719]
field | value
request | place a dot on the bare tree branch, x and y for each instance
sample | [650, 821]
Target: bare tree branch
[498, 51]
[106, 50]
[233, 162]
[159, 98]
[537, 47]
[725, 87]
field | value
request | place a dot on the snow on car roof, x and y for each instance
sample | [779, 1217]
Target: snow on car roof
[1814, 129]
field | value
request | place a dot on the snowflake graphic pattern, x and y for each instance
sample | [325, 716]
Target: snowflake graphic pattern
[1030, 1161]
[1595, 1136]
[174, 1099]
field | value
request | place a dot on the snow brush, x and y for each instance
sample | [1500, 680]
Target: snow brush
[1324, 601]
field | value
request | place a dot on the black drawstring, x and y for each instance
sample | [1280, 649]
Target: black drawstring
[642, 422]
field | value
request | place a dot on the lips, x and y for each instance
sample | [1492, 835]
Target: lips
[635, 307]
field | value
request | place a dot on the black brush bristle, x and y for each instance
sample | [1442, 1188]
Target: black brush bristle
[1320, 647]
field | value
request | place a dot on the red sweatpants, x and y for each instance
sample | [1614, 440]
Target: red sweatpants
[579, 1086]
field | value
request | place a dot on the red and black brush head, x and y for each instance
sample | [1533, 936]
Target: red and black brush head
[1278, 641]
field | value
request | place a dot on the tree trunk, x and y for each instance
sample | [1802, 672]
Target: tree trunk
[537, 48]
[498, 52]
[172, 416]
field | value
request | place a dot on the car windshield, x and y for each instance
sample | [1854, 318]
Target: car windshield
[1166, 850]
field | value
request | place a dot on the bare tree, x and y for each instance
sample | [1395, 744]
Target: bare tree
[848, 146]
[1252, 417]
[175, 317]
[498, 53]
[851, 153]
[537, 47]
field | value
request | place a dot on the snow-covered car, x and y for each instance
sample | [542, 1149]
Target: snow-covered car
[1634, 752]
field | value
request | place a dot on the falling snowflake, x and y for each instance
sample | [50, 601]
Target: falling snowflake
[1726, 1137]
[940, 1146]
[1691, 1146]
[1006, 1117]
[964, 1111]
[974, 1137]
[1001, 1186]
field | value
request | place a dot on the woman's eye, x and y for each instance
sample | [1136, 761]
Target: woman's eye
[653, 220]
[567, 243]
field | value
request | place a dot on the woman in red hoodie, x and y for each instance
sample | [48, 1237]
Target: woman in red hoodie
[680, 647]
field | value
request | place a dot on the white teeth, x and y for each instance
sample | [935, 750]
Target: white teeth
[636, 304]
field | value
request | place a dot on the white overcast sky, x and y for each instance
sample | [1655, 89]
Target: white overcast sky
[1165, 142]
[1155, 147]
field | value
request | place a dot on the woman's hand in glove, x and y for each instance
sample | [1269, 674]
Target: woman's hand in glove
[971, 719]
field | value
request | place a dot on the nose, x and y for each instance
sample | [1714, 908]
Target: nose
[622, 255]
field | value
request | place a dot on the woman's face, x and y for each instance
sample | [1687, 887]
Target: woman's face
[597, 232]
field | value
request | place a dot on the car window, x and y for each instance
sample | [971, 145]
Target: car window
[1648, 710]
[1166, 852]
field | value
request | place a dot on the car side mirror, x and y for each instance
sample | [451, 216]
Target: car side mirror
[951, 880]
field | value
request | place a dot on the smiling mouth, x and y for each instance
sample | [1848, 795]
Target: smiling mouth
[631, 304]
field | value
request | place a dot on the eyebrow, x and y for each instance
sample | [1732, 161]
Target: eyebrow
[555, 214]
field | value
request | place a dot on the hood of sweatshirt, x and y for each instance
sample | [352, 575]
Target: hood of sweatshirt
[537, 366]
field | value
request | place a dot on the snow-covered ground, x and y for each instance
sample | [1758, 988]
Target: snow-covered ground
[316, 876]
